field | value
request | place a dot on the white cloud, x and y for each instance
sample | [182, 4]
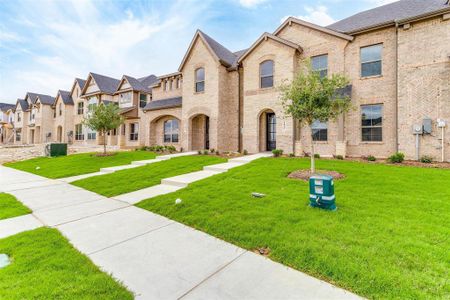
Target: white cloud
[251, 3]
[316, 15]
[380, 2]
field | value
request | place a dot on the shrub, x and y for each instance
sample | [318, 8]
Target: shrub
[217, 152]
[426, 159]
[245, 152]
[199, 152]
[212, 150]
[171, 148]
[340, 157]
[277, 152]
[396, 158]
[317, 155]
[291, 155]
[371, 158]
[205, 152]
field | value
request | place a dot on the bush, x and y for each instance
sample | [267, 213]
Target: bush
[396, 158]
[217, 152]
[371, 158]
[291, 155]
[426, 159]
[199, 152]
[317, 155]
[171, 148]
[340, 157]
[245, 152]
[212, 150]
[277, 152]
[205, 152]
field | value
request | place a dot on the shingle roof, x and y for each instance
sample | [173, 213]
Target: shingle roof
[148, 80]
[45, 99]
[6, 106]
[222, 53]
[141, 84]
[23, 103]
[107, 85]
[81, 82]
[66, 97]
[33, 96]
[165, 103]
[388, 13]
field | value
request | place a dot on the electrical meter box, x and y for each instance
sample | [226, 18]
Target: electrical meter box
[427, 126]
[321, 192]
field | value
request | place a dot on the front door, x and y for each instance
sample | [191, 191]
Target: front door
[271, 136]
[207, 133]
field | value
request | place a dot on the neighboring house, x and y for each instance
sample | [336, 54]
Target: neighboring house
[132, 94]
[98, 89]
[21, 117]
[6, 123]
[63, 126]
[79, 111]
[40, 125]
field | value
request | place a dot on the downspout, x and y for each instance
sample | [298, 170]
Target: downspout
[396, 87]
[239, 110]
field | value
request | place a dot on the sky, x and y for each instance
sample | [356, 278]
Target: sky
[45, 44]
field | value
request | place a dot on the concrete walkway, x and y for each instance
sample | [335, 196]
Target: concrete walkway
[134, 164]
[153, 256]
[172, 184]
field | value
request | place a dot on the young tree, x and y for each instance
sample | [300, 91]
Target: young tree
[310, 97]
[104, 118]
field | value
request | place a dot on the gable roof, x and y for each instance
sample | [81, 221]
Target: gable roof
[23, 104]
[32, 96]
[45, 99]
[388, 14]
[164, 103]
[266, 36]
[6, 106]
[105, 84]
[219, 52]
[81, 82]
[139, 85]
[65, 96]
[326, 30]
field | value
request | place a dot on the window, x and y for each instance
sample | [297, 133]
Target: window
[200, 80]
[18, 117]
[79, 136]
[60, 109]
[91, 134]
[170, 84]
[125, 99]
[371, 123]
[54, 113]
[319, 131]
[266, 74]
[92, 103]
[18, 135]
[171, 131]
[320, 65]
[178, 83]
[134, 129]
[371, 60]
[123, 129]
[80, 108]
[142, 100]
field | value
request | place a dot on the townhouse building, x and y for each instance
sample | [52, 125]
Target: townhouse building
[6, 123]
[396, 56]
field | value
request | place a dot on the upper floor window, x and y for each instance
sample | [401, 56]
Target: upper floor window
[125, 99]
[60, 109]
[200, 80]
[371, 60]
[142, 100]
[80, 108]
[92, 103]
[170, 85]
[171, 131]
[372, 123]
[320, 64]
[319, 131]
[18, 117]
[266, 74]
[178, 85]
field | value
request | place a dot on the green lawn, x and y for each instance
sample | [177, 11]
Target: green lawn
[129, 180]
[10, 207]
[77, 164]
[45, 266]
[388, 239]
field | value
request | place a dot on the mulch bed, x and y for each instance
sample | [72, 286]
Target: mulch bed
[305, 174]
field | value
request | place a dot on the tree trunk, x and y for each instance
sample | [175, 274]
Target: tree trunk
[313, 159]
[104, 143]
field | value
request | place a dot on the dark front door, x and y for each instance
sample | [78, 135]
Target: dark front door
[271, 127]
[207, 133]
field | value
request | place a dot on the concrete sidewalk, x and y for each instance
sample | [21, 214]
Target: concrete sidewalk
[155, 257]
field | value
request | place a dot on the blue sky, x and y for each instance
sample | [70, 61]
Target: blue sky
[45, 44]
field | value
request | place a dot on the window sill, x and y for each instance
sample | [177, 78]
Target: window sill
[320, 142]
[372, 143]
[198, 93]
[370, 77]
[267, 88]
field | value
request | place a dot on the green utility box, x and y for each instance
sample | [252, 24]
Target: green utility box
[56, 149]
[321, 192]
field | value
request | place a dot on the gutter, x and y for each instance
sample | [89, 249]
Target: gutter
[396, 87]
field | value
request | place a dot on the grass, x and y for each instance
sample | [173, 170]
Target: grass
[388, 239]
[129, 180]
[10, 207]
[45, 266]
[77, 164]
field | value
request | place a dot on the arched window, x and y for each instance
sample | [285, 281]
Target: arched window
[171, 131]
[199, 80]
[266, 74]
